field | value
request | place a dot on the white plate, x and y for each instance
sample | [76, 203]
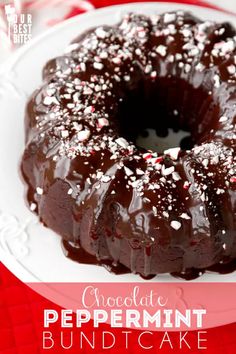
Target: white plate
[31, 251]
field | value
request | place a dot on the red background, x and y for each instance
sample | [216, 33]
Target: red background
[21, 326]
[21, 309]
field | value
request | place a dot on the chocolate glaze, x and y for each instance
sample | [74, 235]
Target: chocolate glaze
[77, 254]
[126, 207]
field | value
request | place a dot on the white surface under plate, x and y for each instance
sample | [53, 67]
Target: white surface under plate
[31, 251]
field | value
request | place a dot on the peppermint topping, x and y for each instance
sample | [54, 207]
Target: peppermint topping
[83, 135]
[173, 153]
[89, 109]
[232, 69]
[176, 225]
[223, 119]
[122, 142]
[49, 100]
[128, 171]
[169, 17]
[166, 171]
[98, 66]
[33, 206]
[101, 33]
[233, 179]
[105, 178]
[161, 49]
[39, 190]
[102, 122]
[185, 216]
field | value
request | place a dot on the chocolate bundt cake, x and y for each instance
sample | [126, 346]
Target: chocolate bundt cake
[113, 202]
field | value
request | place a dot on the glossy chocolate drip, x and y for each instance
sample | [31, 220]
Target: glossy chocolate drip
[78, 254]
[147, 212]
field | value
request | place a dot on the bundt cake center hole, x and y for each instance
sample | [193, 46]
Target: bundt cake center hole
[164, 114]
[149, 139]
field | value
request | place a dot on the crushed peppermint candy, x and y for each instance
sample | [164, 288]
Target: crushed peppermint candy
[169, 17]
[70, 191]
[185, 216]
[166, 171]
[83, 135]
[232, 69]
[140, 172]
[176, 176]
[122, 142]
[223, 119]
[128, 171]
[89, 109]
[162, 50]
[175, 225]
[154, 209]
[102, 122]
[39, 190]
[173, 153]
[153, 74]
[233, 179]
[216, 81]
[105, 178]
[166, 214]
[116, 60]
[100, 33]
[49, 100]
[33, 206]
[186, 185]
[98, 66]
[64, 133]
[147, 156]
